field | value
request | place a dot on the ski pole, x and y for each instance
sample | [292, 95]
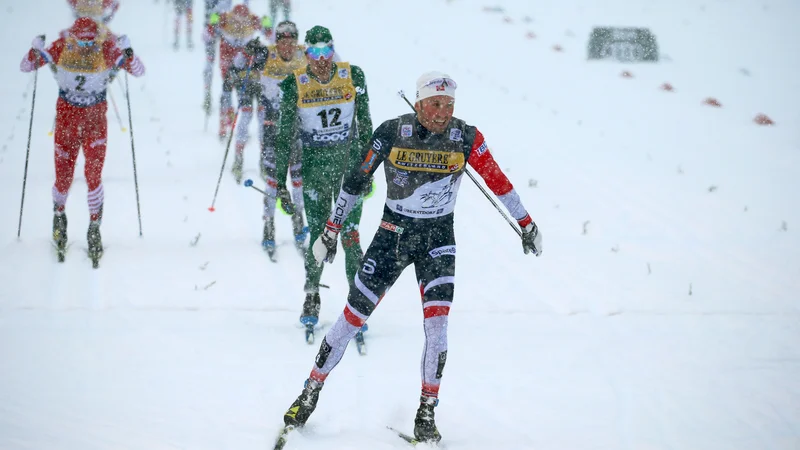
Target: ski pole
[249, 183]
[230, 138]
[133, 147]
[116, 111]
[224, 159]
[474, 180]
[27, 154]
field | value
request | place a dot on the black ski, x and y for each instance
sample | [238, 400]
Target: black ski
[61, 251]
[408, 438]
[281, 441]
[95, 257]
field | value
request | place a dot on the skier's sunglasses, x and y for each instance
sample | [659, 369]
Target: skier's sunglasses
[85, 44]
[317, 53]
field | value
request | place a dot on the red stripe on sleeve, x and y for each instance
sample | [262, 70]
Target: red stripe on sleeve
[482, 161]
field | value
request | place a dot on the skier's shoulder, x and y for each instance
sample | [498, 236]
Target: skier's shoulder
[388, 130]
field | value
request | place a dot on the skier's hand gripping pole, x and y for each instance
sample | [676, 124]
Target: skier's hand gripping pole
[283, 196]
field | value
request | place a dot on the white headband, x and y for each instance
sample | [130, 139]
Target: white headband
[432, 84]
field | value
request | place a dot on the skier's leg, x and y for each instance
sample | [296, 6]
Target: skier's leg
[268, 165]
[242, 130]
[269, 131]
[436, 278]
[94, 151]
[296, 174]
[189, 20]
[67, 146]
[273, 10]
[177, 27]
[435, 272]
[382, 267]
[351, 241]
[226, 112]
[317, 199]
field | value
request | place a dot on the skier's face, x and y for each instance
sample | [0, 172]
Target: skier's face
[320, 59]
[434, 113]
[286, 48]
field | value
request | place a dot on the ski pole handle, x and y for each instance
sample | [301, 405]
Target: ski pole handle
[249, 183]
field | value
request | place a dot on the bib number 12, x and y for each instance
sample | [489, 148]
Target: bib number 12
[335, 112]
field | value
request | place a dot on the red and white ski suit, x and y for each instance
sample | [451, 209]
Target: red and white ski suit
[83, 76]
[234, 29]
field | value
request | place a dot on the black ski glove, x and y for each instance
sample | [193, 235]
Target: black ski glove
[286, 200]
[531, 239]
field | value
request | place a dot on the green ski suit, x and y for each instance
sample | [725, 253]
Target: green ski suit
[334, 126]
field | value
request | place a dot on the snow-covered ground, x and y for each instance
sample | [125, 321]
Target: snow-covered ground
[664, 313]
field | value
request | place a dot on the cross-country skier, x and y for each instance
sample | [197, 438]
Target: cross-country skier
[425, 156]
[85, 61]
[100, 10]
[284, 58]
[327, 102]
[244, 77]
[183, 8]
[213, 10]
[234, 29]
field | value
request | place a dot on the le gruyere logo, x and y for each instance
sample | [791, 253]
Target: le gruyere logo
[426, 160]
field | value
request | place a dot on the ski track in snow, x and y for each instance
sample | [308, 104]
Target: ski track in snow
[662, 315]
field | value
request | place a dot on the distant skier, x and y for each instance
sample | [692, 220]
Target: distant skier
[183, 8]
[244, 77]
[426, 155]
[327, 103]
[100, 10]
[213, 10]
[85, 60]
[273, 8]
[285, 57]
[234, 29]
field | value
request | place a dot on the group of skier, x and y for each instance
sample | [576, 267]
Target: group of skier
[314, 125]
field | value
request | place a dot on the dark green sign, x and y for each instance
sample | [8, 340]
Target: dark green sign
[623, 44]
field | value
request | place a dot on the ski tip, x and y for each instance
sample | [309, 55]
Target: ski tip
[248, 182]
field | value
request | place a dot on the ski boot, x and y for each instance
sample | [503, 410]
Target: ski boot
[269, 238]
[310, 315]
[424, 424]
[306, 403]
[95, 243]
[300, 232]
[60, 233]
[238, 166]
